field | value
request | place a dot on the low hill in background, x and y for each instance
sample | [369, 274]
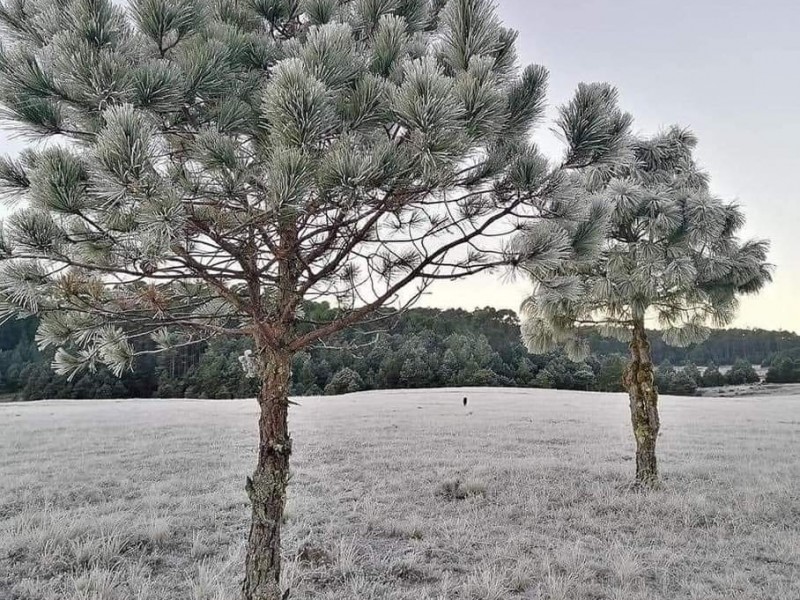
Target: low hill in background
[419, 348]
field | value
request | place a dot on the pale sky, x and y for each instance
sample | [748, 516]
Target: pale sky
[730, 70]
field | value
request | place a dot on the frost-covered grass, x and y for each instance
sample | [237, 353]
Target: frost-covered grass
[143, 499]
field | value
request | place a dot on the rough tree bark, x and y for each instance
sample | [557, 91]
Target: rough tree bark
[639, 382]
[267, 487]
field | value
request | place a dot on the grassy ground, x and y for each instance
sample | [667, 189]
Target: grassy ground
[143, 500]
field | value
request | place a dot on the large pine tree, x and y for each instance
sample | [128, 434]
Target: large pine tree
[657, 243]
[207, 167]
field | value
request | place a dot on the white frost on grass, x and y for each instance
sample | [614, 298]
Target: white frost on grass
[144, 500]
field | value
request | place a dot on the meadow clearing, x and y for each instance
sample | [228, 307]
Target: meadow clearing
[144, 499]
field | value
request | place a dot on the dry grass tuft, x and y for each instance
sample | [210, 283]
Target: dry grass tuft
[457, 490]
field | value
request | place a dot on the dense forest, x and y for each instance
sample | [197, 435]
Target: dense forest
[419, 348]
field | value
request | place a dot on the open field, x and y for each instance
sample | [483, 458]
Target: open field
[143, 499]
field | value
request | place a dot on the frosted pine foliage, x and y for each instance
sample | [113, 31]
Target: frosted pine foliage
[655, 244]
[206, 168]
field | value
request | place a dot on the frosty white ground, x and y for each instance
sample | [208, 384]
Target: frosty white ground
[143, 499]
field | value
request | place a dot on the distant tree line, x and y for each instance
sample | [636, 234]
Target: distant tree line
[416, 349]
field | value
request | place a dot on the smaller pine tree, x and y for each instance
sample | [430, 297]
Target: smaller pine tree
[645, 239]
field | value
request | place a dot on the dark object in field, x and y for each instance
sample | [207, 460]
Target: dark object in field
[458, 490]
[465, 400]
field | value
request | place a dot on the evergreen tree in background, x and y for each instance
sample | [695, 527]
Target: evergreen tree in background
[693, 373]
[784, 369]
[742, 372]
[667, 248]
[712, 377]
[211, 167]
[213, 370]
[344, 381]
[612, 369]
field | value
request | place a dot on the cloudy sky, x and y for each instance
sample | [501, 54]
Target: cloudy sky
[730, 70]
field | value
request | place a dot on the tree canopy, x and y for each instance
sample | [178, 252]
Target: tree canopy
[664, 247]
[211, 166]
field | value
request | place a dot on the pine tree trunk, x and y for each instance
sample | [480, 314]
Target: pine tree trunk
[267, 487]
[639, 381]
